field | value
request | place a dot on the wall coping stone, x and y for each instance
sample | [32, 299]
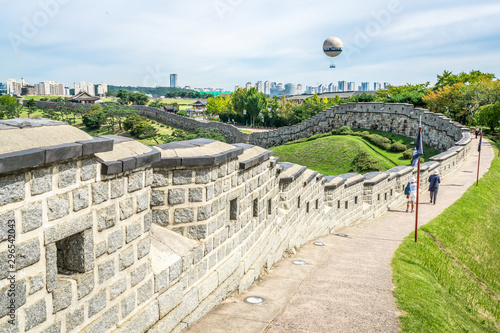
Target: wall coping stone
[443, 156]
[311, 177]
[294, 171]
[374, 178]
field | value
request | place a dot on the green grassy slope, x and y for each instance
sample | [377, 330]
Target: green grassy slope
[450, 280]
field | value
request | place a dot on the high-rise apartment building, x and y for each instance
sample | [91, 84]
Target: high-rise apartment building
[267, 88]
[351, 86]
[173, 81]
[386, 84]
[248, 85]
[342, 86]
[376, 86]
[365, 86]
[14, 87]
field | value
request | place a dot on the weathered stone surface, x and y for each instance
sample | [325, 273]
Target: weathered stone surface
[128, 305]
[5, 220]
[97, 303]
[19, 298]
[61, 296]
[143, 248]
[100, 249]
[115, 241]
[89, 169]
[204, 213]
[41, 181]
[68, 228]
[7, 327]
[133, 231]
[149, 177]
[126, 258]
[106, 217]
[139, 274]
[197, 231]
[195, 195]
[31, 216]
[142, 321]
[142, 202]
[67, 174]
[76, 252]
[210, 192]
[176, 196]
[56, 328]
[182, 177]
[117, 289]
[58, 206]
[126, 209]
[106, 270]
[202, 176]
[145, 292]
[74, 319]
[136, 181]
[157, 198]
[183, 215]
[35, 314]
[85, 284]
[148, 219]
[81, 199]
[100, 192]
[160, 178]
[117, 188]
[51, 260]
[175, 270]
[170, 299]
[160, 217]
[161, 280]
[36, 283]
[27, 253]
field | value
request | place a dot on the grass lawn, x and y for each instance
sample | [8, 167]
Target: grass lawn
[450, 280]
[330, 155]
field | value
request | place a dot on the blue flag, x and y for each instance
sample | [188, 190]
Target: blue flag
[480, 141]
[388, 96]
[471, 114]
[419, 151]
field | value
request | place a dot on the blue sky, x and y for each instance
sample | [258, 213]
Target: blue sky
[223, 43]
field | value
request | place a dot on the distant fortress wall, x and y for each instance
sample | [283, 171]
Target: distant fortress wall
[114, 236]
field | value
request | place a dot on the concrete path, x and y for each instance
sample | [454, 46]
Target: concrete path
[346, 285]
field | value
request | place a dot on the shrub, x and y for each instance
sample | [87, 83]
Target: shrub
[182, 113]
[94, 119]
[397, 147]
[129, 123]
[379, 141]
[345, 130]
[139, 127]
[407, 154]
[363, 162]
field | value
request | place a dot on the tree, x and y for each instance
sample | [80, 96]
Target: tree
[149, 132]
[408, 93]
[31, 104]
[489, 115]
[8, 100]
[448, 79]
[95, 118]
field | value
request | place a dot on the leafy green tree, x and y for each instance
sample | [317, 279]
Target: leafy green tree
[31, 105]
[448, 79]
[489, 115]
[149, 132]
[94, 119]
[8, 100]
[409, 93]
[182, 113]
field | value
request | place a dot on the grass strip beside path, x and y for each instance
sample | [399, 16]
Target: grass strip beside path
[450, 280]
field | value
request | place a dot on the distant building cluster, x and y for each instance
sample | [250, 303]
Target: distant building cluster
[51, 88]
[290, 89]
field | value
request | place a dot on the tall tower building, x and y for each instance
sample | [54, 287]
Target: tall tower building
[248, 85]
[173, 81]
[342, 86]
[365, 86]
[376, 86]
[267, 88]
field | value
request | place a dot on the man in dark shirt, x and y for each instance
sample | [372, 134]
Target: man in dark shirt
[434, 182]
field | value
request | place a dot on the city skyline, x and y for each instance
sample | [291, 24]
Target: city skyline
[397, 41]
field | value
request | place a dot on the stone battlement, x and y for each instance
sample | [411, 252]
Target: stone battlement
[111, 235]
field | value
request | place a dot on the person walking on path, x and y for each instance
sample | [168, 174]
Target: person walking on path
[476, 131]
[411, 194]
[434, 181]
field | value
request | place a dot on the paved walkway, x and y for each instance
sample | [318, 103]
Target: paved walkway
[346, 285]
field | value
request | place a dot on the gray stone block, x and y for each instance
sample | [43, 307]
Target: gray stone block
[110, 318]
[126, 209]
[117, 188]
[198, 231]
[129, 163]
[7, 327]
[56, 328]
[19, 298]
[143, 248]
[136, 181]
[160, 217]
[142, 202]
[182, 177]
[148, 219]
[106, 217]
[160, 178]
[149, 177]
[61, 296]
[106, 270]
[76, 252]
[31, 216]
[21, 159]
[67, 174]
[100, 192]
[128, 305]
[41, 181]
[204, 213]
[96, 145]
[12, 189]
[62, 152]
[142, 321]
[74, 319]
[183, 215]
[35, 314]
[175, 270]
[210, 192]
[36, 283]
[139, 274]
[5, 220]
[133, 231]
[126, 258]
[58, 206]
[51, 263]
[176, 196]
[97, 303]
[80, 199]
[145, 292]
[85, 284]
[170, 299]
[100, 249]
[202, 176]
[195, 195]
[89, 169]
[27, 253]
[117, 289]
[157, 198]
[161, 280]
[115, 241]
[111, 168]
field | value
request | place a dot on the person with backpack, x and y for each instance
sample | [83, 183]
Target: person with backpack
[411, 194]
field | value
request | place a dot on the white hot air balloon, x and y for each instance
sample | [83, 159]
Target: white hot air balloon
[332, 46]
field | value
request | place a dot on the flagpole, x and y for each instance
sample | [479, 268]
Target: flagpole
[479, 158]
[418, 189]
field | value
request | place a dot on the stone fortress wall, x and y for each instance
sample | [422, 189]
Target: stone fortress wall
[114, 236]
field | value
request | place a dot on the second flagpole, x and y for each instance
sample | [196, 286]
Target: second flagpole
[418, 191]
